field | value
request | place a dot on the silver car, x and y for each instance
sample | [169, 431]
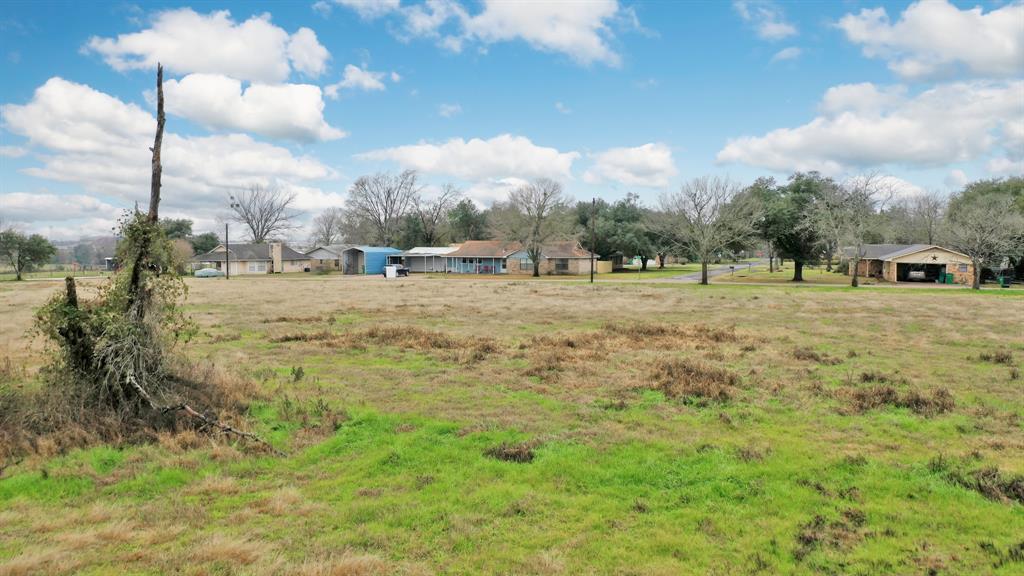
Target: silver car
[208, 273]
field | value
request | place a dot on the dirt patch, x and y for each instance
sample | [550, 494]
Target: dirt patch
[694, 380]
[840, 534]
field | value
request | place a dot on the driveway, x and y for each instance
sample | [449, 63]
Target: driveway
[718, 270]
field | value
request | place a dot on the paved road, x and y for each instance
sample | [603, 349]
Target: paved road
[717, 271]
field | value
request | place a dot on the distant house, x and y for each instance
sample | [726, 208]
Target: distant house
[267, 258]
[912, 262]
[500, 257]
[327, 257]
[423, 258]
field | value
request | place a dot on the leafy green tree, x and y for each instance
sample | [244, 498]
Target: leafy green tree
[467, 222]
[175, 228]
[84, 254]
[204, 242]
[24, 253]
[1012, 187]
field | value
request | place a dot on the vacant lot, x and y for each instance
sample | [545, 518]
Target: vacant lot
[525, 427]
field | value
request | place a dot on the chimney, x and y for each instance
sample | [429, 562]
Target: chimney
[275, 257]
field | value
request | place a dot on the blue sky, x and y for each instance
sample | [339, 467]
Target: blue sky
[607, 97]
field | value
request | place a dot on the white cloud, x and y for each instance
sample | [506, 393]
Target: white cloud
[293, 111]
[790, 53]
[322, 8]
[449, 110]
[649, 165]
[577, 29]
[12, 151]
[562, 108]
[888, 188]
[580, 30]
[356, 78]
[478, 160]
[370, 9]
[865, 125]
[767, 19]
[396, 77]
[102, 144]
[956, 179]
[187, 42]
[32, 206]
[934, 38]
[1005, 167]
[486, 192]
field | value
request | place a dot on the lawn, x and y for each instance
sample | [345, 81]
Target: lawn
[513, 426]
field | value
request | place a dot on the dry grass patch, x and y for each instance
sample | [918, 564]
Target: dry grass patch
[34, 563]
[694, 380]
[229, 549]
[350, 565]
[513, 452]
[864, 399]
[812, 355]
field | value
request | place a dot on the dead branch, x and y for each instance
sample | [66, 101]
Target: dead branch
[225, 428]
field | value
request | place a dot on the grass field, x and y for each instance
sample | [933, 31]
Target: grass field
[434, 426]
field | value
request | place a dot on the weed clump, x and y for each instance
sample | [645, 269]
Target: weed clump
[988, 481]
[870, 398]
[809, 354]
[997, 357]
[694, 380]
[819, 532]
[521, 452]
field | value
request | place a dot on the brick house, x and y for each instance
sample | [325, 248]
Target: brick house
[502, 257]
[913, 262]
[267, 258]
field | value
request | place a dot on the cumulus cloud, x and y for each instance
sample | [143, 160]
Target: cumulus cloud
[449, 110]
[478, 160]
[33, 206]
[866, 125]
[292, 111]
[934, 38]
[561, 107]
[649, 165]
[956, 179]
[12, 151]
[356, 78]
[188, 42]
[102, 144]
[790, 53]
[766, 17]
[580, 30]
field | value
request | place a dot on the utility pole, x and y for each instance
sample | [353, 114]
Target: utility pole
[227, 254]
[593, 228]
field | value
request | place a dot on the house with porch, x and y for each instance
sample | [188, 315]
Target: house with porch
[240, 259]
[913, 262]
[503, 257]
[423, 258]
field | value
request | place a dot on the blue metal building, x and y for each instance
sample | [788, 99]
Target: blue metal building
[366, 259]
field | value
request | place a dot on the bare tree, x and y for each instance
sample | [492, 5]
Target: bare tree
[533, 214]
[847, 214]
[710, 215]
[986, 229]
[384, 200]
[433, 215]
[265, 211]
[927, 212]
[328, 227]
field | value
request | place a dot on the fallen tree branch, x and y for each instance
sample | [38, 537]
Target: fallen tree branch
[225, 428]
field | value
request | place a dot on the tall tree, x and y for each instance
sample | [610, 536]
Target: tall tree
[432, 215]
[786, 212]
[711, 214]
[847, 215]
[384, 200]
[264, 211]
[467, 222]
[927, 212]
[987, 228]
[533, 215]
[24, 253]
[204, 242]
[328, 227]
[175, 228]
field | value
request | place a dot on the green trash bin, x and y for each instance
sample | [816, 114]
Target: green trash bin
[949, 277]
[1004, 281]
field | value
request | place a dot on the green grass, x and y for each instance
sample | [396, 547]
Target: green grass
[387, 447]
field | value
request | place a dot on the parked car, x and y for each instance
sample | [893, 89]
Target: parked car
[208, 273]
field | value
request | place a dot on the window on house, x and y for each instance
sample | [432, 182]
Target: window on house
[561, 265]
[525, 264]
[252, 266]
[257, 266]
[963, 268]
